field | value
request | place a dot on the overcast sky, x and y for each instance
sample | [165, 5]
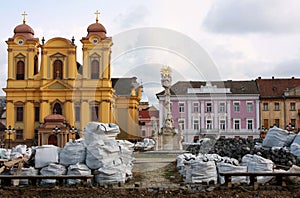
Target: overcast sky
[198, 39]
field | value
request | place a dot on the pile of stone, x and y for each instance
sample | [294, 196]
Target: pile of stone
[279, 151]
[280, 146]
[109, 160]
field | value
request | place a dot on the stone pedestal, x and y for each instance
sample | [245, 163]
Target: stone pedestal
[168, 139]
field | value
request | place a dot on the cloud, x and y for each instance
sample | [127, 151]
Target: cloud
[288, 68]
[253, 16]
[132, 17]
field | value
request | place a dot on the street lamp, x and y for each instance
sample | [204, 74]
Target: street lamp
[74, 131]
[9, 130]
[56, 130]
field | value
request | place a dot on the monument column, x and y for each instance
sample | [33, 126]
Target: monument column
[170, 139]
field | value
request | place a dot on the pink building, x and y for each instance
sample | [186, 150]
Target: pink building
[225, 108]
[148, 120]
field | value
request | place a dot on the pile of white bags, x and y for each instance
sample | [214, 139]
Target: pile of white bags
[110, 159]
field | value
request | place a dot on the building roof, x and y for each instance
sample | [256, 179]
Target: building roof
[148, 113]
[235, 87]
[275, 87]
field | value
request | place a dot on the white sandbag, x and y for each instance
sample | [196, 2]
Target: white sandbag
[226, 167]
[28, 171]
[198, 171]
[110, 174]
[97, 153]
[5, 153]
[297, 139]
[295, 146]
[77, 169]
[229, 160]
[96, 131]
[257, 163]
[295, 149]
[20, 149]
[46, 155]
[278, 137]
[72, 153]
[211, 157]
[183, 163]
[52, 169]
[294, 179]
[126, 147]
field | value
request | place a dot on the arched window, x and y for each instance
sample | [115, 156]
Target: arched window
[57, 109]
[20, 70]
[57, 69]
[95, 69]
[36, 65]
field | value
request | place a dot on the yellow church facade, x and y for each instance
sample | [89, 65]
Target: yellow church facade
[45, 78]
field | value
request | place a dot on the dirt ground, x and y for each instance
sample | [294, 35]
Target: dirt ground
[153, 176]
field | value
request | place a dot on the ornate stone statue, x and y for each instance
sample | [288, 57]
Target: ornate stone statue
[168, 139]
[166, 81]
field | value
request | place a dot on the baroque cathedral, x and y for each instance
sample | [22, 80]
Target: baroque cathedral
[49, 94]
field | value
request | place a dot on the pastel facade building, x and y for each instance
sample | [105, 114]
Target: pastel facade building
[224, 108]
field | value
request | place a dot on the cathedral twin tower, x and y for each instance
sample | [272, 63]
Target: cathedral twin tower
[58, 84]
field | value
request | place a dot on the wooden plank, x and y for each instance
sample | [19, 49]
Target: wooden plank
[259, 174]
[46, 176]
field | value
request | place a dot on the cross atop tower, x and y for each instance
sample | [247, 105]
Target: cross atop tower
[97, 14]
[24, 17]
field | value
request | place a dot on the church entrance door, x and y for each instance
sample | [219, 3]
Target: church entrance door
[52, 140]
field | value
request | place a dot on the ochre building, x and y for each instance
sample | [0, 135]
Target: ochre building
[279, 103]
[44, 78]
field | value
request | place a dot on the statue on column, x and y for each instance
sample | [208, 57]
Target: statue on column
[168, 138]
[166, 80]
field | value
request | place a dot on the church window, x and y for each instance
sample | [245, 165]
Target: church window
[19, 117]
[36, 65]
[20, 70]
[36, 114]
[19, 134]
[57, 69]
[77, 114]
[57, 109]
[95, 69]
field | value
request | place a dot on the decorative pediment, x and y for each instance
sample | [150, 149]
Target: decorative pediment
[57, 55]
[56, 84]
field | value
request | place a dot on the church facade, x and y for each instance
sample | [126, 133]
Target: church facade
[44, 78]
